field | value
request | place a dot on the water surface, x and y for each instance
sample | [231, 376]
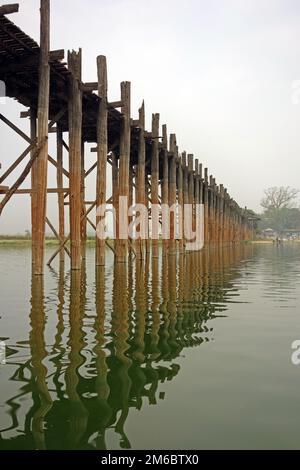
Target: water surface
[183, 352]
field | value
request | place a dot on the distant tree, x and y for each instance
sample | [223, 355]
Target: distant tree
[279, 213]
[277, 198]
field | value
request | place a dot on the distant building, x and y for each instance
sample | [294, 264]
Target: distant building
[269, 233]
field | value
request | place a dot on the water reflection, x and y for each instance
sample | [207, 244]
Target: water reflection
[113, 345]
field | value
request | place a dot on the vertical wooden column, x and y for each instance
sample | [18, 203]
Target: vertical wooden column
[122, 244]
[206, 208]
[75, 142]
[130, 201]
[102, 150]
[147, 204]
[154, 181]
[33, 135]
[197, 190]
[83, 221]
[140, 193]
[185, 187]
[191, 184]
[165, 181]
[221, 215]
[38, 229]
[60, 185]
[115, 192]
[181, 206]
[172, 194]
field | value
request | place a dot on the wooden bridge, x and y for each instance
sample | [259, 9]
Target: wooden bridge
[147, 167]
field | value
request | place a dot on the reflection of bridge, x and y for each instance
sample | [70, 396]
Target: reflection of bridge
[146, 167]
[114, 349]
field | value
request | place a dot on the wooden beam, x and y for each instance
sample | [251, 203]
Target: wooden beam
[42, 131]
[22, 177]
[17, 162]
[92, 86]
[8, 9]
[115, 104]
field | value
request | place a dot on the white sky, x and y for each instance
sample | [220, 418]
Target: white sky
[219, 72]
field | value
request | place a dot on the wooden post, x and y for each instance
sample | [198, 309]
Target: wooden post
[140, 243]
[181, 205]
[75, 142]
[33, 135]
[165, 181]
[191, 188]
[83, 225]
[172, 194]
[197, 193]
[122, 244]
[60, 185]
[154, 182]
[206, 209]
[38, 229]
[115, 194]
[185, 186]
[102, 150]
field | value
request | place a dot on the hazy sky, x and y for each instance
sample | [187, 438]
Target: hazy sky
[220, 73]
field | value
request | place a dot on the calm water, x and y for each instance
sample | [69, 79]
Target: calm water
[185, 352]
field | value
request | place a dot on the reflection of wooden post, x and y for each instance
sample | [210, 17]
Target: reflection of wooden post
[154, 182]
[102, 151]
[165, 182]
[172, 194]
[38, 230]
[140, 243]
[75, 142]
[59, 177]
[122, 244]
